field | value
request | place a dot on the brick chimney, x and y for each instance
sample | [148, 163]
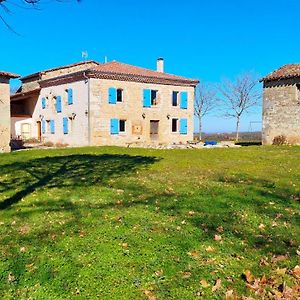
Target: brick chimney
[160, 65]
[5, 110]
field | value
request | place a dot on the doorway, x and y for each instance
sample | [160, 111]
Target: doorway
[39, 130]
[154, 128]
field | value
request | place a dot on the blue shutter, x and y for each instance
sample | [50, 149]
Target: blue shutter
[114, 126]
[43, 103]
[43, 126]
[183, 126]
[65, 125]
[58, 104]
[70, 96]
[147, 98]
[112, 95]
[183, 100]
[52, 126]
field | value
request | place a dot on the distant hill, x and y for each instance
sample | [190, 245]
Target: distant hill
[244, 136]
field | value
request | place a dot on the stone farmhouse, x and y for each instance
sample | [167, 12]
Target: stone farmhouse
[89, 103]
[5, 110]
[281, 104]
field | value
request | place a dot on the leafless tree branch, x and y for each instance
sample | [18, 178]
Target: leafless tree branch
[239, 96]
[205, 102]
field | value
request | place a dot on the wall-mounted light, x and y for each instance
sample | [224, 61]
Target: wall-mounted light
[168, 116]
[144, 115]
[86, 112]
[73, 116]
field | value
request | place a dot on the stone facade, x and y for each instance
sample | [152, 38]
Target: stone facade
[5, 110]
[88, 119]
[281, 110]
[137, 118]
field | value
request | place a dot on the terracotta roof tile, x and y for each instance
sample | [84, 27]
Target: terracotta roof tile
[9, 75]
[284, 72]
[118, 68]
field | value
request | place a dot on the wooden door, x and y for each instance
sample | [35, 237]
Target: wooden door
[154, 129]
[39, 130]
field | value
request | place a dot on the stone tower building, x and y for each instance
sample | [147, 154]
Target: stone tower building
[281, 104]
[5, 110]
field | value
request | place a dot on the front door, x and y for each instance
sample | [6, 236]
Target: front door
[154, 129]
[39, 130]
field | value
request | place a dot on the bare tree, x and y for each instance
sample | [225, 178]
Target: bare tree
[205, 102]
[5, 6]
[239, 97]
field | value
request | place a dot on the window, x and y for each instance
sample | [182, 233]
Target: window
[154, 100]
[70, 96]
[58, 104]
[122, 125]
[119, 95]
[183, 126]
[65, 125]
[43, 103]
[174, 125]
[183, 100]
[175, 99]
[52, 127]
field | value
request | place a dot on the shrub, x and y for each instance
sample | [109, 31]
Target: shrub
[48, 144]
[61, 145]
[280, 140]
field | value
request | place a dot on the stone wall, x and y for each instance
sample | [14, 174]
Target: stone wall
[137, 117]
[4, 115]
[281, 111]
[32, 83]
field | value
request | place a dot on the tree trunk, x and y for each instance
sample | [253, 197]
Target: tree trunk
[200, 128]
[237, 128]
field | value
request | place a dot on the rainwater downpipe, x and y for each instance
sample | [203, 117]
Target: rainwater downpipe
[89, 107]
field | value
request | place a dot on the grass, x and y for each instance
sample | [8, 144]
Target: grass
[116, 223]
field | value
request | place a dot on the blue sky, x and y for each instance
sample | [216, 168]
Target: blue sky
[208, 40]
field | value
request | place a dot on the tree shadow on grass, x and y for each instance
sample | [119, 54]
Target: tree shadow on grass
[65, 171]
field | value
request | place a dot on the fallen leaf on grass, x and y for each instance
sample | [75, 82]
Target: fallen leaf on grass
[125, 245]
[280, 271]
[186, 275]
[279, 258]
[11, 277]
[229, 295]
[204, 283]
[296, 270]
[194, 254]
[248, 276]
[262, 226]
[220, 229]
[217, 285]
[210, 249]
[217, 237]
[191, 213]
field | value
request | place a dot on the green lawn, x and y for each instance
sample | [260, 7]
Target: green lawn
[116, 223]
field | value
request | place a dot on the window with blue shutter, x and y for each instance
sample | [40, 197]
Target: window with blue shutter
[114, 126]
[43, 103]
[70, 96]
[58, 104]
[52, 127]
[65, 125]
[43, 126]
[112, 95]
[183, 100]
[147, 98]
[183, 126]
